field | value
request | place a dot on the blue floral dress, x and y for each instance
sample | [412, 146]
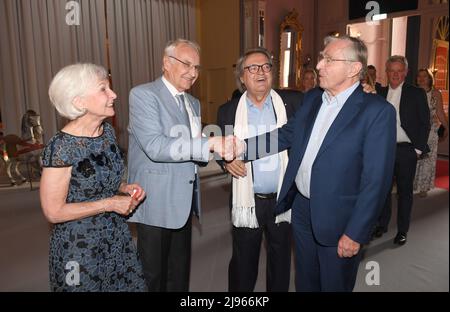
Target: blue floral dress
[94, 253]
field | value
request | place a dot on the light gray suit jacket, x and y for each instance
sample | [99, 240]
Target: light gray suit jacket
[162, 160]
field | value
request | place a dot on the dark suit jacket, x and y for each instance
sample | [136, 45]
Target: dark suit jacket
[352, 172]
[414, 115]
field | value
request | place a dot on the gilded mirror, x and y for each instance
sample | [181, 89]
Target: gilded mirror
[290, 51]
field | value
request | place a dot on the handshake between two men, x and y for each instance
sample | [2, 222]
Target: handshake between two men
[227, 147]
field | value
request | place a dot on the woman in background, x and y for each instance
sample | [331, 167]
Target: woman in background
[426, 167]
[309, 80]
[368, 83]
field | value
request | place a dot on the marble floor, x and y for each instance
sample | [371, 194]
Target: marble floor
[421, 265]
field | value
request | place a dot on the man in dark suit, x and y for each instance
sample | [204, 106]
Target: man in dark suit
[264, 109]
[413, 127]
[342, 146]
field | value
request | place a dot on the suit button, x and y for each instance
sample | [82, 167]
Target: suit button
[191, 182]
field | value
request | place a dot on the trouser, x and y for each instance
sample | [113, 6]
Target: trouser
[404, 172]
[166, 256]
[318, 267]
[243, 268]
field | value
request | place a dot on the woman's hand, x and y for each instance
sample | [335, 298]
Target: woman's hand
[122, 204]
[53, 192]
[125, 205]
[134, 190]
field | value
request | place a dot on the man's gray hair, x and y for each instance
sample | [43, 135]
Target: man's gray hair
[71, 82]
[397, 59]
[171, 46]
[356, 51]
[239, 70]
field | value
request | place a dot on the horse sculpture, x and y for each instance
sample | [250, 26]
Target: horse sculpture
[31, 128]
[25, 149]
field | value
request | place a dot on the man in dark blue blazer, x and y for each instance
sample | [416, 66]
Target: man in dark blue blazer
[342, 147]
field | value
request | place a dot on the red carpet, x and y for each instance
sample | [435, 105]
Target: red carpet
[441, 174]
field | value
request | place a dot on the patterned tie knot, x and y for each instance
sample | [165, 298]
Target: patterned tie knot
[180, 99]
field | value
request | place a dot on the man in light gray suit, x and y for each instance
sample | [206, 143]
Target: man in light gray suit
[165, 143]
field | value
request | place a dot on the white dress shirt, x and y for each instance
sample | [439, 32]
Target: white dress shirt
[330, 108]
[194, 121]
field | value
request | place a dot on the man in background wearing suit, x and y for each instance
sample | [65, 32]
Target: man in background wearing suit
[342, 145]
[258, 110]
[413, 127]
[165, 142]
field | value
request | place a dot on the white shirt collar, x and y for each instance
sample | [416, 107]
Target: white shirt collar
[400, 86]
[171, 88]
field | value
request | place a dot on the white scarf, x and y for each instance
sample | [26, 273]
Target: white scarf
[243, 202]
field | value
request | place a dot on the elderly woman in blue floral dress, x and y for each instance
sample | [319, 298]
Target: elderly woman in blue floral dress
[82, 192]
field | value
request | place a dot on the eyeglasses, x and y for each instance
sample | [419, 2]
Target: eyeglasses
[253, 69]
[328, 60]
[188, 66]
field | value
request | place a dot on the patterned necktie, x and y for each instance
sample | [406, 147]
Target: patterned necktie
[180, 100]
[182, 107]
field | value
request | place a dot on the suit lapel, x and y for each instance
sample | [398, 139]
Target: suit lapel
[296, 155]
[403, 101]
[194, 106]
[232, 115]
[171, 103]
[350, 109]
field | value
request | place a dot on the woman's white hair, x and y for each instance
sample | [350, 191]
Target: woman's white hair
[71, 82]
